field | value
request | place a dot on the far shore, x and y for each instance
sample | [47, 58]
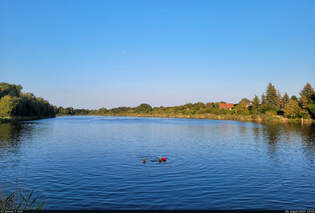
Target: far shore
[265, 119]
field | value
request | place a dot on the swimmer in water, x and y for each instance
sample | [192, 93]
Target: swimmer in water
[160, 160]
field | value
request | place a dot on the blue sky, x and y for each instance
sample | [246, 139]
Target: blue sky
[91, 54]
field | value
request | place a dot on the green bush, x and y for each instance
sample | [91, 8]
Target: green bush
[311, 109]
[8, 106]
[267, 108]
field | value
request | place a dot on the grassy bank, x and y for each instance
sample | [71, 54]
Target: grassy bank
[261, 118]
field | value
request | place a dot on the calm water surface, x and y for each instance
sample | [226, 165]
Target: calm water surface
[96, 163]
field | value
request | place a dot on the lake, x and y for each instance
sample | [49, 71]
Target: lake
[91, 162]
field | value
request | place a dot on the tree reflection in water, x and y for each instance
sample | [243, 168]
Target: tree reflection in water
[11, 135]
[302, 136]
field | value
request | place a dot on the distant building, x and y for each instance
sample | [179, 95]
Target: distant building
[249, 104]
[228, 106]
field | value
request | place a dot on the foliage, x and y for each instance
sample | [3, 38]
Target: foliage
[9, 89]
[307, 93]
[272, 104]
[285, 100]
[241, 108]
[29, 105]
[293, 97]
[8, 105]
[20, 201]
[255, 103]
[272, 97]
[264, 108]
[144, 108]
[303, 102]
[304, 114]
[66, 111]
[311, 109]
[292, 109]
[263, 99]
[246, 100]
[103, 110]
[15, 103]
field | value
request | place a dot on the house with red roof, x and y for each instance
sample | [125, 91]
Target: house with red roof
[228, 106]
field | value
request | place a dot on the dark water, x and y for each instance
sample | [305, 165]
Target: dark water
[95, 163]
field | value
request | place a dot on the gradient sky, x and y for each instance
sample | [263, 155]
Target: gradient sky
[91, 54]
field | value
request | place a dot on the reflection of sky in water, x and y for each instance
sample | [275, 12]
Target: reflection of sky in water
[212, 164]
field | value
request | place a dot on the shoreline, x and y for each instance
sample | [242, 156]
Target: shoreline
[22, 118]
[263, 119]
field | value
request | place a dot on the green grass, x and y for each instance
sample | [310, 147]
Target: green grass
[20, 201]
[257, 118]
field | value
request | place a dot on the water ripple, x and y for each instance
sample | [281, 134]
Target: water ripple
[96, 163]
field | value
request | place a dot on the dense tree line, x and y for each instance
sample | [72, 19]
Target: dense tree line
[273, 103]
[13, 103]
[270, 103]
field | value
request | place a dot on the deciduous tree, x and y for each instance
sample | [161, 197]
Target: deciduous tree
[292, 109]
[8, 105]
[241, 108]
